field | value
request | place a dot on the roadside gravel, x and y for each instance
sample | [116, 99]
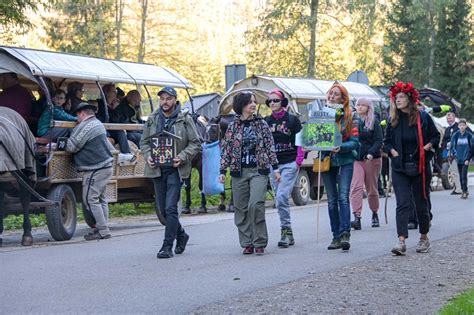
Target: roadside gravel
[414, 284]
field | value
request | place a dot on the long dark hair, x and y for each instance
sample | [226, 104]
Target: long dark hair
[412, 113]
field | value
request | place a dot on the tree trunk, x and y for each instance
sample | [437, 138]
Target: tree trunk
[141, 46]
[101, 28]
[432, 42]
[119, 6]
[312, 46]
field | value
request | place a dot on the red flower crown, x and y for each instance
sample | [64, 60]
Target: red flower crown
[406, 88]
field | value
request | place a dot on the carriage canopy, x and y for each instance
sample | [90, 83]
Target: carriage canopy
[300, 91]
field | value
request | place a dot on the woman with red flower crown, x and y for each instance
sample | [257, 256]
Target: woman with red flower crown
[410, 134]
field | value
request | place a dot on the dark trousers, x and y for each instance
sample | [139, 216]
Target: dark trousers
[167, 192]
[429, 175]
[135, 136]
[120, 137]
[409, 190]
[462, 168]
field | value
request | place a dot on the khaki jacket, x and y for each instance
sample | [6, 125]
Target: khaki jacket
[187, 147]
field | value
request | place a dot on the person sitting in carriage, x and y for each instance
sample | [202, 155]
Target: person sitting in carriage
[59, 113]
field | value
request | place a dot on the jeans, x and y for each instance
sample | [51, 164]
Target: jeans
[289, 173]
[135, 136]
[409, 190]
[337, 182]
[167, 194]
[462, 168]
[120, 137]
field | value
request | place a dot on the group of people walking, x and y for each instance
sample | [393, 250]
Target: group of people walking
[256, 150]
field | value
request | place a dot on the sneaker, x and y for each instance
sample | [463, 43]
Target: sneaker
[125, 159]
[335, 244]
[259, 251]
[423, 245]
[96, 236]
[345, 241]
[285, 240]
[181, 243]
[412, 226]
[356, 224]
[165, 252]
[399, 249]
[375, 220]
[464, 196]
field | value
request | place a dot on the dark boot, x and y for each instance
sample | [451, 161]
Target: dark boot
[345, 240]
[181, 242]
[165, 252]
[285, 240]
[335, 244]
[375, 220]
[289, 232]
[356, 224]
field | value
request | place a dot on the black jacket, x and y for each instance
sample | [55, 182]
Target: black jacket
[393, 139]
[370, 141]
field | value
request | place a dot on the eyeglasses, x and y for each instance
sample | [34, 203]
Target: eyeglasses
[274, 100]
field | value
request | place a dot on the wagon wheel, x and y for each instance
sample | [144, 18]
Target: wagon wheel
[62, 217]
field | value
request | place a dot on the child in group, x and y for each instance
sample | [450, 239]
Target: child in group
[52, 134]
[461, 149]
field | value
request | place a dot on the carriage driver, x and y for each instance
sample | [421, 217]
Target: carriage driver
[177, 129]
[88, 142]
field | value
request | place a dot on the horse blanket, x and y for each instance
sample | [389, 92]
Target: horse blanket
[16, 141]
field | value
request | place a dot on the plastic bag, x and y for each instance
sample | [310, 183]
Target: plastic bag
[211, 159]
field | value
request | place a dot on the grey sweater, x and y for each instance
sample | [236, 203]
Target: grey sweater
[90, 146]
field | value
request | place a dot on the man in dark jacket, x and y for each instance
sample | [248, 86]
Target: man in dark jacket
[128, 112]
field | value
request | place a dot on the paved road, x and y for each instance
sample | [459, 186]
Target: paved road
[122, 275]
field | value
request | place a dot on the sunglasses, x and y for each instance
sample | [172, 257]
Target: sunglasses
[274, 100]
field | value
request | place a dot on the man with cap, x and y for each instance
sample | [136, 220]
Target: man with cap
[88, 142]
[168, 121]
[284, 127]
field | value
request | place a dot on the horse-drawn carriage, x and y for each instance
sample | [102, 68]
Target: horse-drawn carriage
[300, 93]
[58, 186]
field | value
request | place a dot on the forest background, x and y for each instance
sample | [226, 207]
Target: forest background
[428, 42]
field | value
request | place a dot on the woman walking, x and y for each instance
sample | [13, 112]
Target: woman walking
[284, 127]
[248, 151]
[368, 164]
[337, 180]
[410, 134]
[461, 149]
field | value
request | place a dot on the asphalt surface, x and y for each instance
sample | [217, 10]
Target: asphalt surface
[123, 275]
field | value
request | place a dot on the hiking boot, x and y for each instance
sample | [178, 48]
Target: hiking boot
[181, 243]
[290, 236]
[96, 236]
[285, 239]
[165, 252]
[412, 225]
[423, 245]
[399, 249]
[356, 224]
[345, 241]
[375, 219]
[335, 244]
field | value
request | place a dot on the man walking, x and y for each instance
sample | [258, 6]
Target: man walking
[168, 125]
[92, 156]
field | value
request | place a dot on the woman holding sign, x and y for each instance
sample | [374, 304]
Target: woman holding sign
[337, 181]
[248, 151]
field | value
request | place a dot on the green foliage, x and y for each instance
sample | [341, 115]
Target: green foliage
[13, 12]
[461, 304]
[13, 222]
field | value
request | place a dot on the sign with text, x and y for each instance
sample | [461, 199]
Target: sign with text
[163, 150]
[321, 132]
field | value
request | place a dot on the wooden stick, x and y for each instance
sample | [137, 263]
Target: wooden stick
[319, 196]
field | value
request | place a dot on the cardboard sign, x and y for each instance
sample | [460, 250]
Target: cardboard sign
[163, 150]
[321, 132]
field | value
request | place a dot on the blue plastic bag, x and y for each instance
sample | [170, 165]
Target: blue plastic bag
[211, 161]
